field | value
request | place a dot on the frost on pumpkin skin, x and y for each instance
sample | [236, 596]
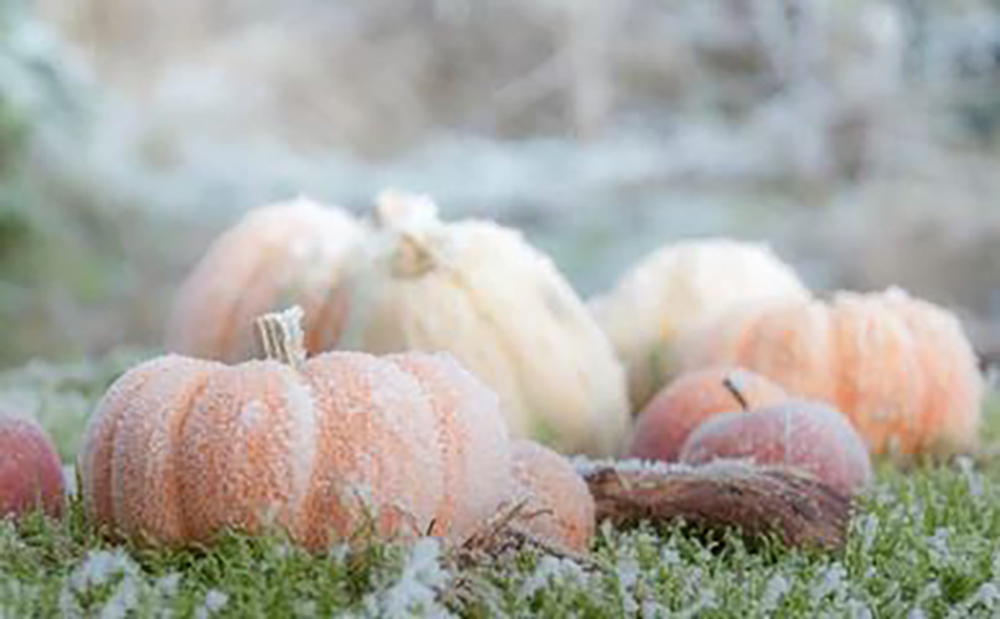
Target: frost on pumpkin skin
[559, 508]
[807, 435]
[901, 369]
[98, 448]
[288, 253]
[673, 291]
[480, 292]
[379, 452]
[472, 437]
[693, 397]
[180, 449]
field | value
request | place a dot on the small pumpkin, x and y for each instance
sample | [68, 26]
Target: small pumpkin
[30, 472]
[478, 291]
[674, 290]
[806, 435]
[283, 254]
[900, 368]
[558, 506]
[694, 397]
[180, 448]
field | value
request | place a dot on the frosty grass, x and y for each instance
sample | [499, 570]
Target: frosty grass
[921, 545]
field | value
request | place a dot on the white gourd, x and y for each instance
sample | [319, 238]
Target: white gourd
[677, 288]
[479, 291]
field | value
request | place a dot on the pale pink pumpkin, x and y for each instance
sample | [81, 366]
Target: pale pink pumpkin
[810, 436]
[559, 508]
[289, 253]
[30, 472]
[900, 368]
[180, 449]
[689, 400]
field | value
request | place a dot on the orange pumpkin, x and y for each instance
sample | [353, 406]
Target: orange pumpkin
[900, 368]
[559, 508]
[289, 253]
[180, 449]
[692, 398]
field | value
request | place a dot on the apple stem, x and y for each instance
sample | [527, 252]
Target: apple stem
[730, 385]
[281, 336]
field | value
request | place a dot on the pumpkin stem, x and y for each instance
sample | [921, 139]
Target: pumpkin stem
[281, 336]
[730, 385]
[412, 218]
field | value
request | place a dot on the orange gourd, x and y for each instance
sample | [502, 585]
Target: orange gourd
[559, 508]
[180, 449]
[900, 368]
[283, 254]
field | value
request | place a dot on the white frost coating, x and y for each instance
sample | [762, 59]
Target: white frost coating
[628, 571]
[831, 581]
[774, 592]
[585, 466]
[215, 601]
[553, 571]
[303, 441]
[100, 568]
[415, 593]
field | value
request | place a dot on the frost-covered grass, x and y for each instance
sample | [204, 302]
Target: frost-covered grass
[922, 544]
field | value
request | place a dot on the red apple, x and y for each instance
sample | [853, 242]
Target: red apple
[808, 435]
[693, 397]
[30, 471]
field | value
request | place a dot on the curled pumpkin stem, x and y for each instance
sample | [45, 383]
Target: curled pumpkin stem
[282, 338]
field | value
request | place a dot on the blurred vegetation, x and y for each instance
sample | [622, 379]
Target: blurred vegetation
[860, 138]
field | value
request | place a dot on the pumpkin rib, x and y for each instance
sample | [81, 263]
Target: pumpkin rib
[303, 443]
[144, 471]
[95, 459]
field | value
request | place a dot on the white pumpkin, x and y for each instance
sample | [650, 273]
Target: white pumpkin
[479, 291]
[677, 288]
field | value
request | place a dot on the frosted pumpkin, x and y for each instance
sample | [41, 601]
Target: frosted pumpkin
[810, 436]
[180, 449]
[284, 254]
[673, 291]
[30, 472]
[900, 368]
[558, 506]
[480, 292]
[681, 406]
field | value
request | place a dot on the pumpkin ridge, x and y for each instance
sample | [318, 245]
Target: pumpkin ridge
[174, 481]
[136, 462]
[100, 439]
[303, 443]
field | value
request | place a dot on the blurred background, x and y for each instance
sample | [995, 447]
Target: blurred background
[861, 138]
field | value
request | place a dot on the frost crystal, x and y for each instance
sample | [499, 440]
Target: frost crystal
[215, 601]
[553, 571]
[774, 591]
[98, 569]
[415, 593]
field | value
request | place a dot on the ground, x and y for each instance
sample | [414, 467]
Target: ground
[924, 543]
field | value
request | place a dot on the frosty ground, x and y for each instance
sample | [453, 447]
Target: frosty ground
[922, 544]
